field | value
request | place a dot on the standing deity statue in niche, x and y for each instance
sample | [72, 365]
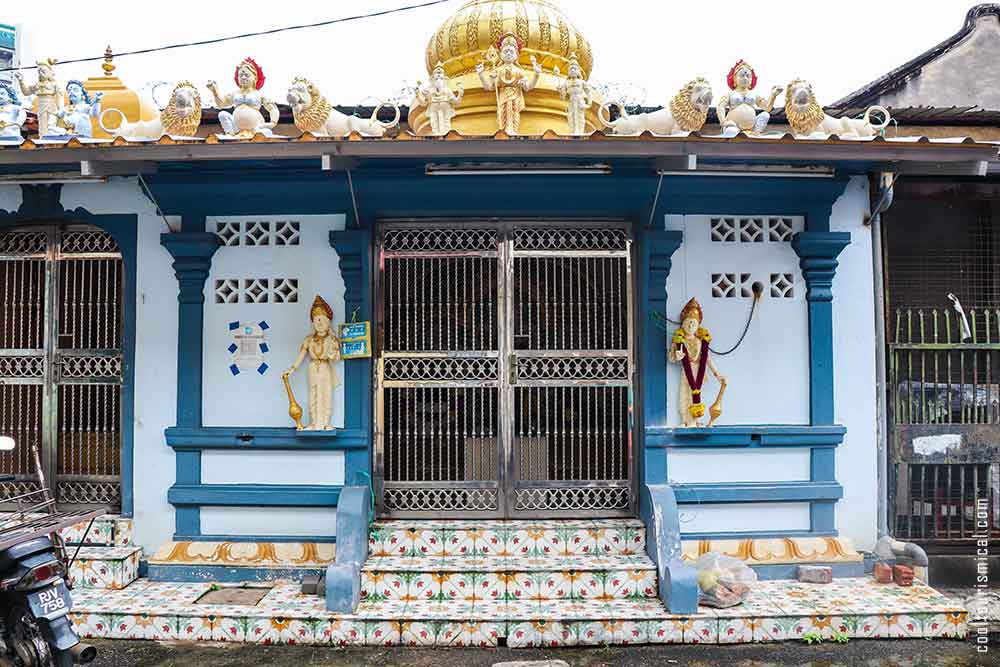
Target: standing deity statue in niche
[75, 118]
[48, 97]
[689, 348]
[577, 90]
[440, 101]
[12, 116]
[246, 119]
[508, 80]
[738, 110]
[323, 348]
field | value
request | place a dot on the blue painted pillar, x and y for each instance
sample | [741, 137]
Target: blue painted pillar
[354, 252]
[658, 246]
[192, 253]
[818, 253]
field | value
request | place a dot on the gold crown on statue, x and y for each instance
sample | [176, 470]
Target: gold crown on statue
[320, 306]
[438, 69]
[692, 309]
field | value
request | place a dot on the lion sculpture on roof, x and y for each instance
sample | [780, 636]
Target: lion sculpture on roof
[806, 116]
[180, 118]
[313, 113]
[686, 112]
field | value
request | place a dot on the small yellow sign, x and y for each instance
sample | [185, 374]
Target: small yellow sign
[355, 340]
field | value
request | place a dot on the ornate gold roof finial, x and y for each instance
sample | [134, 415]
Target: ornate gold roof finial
[108, 66]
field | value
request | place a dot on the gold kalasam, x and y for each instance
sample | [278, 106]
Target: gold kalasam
[462, 41]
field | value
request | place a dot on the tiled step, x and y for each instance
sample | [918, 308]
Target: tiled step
[112, 568]
[776, 611]
[429, 538]
[109, 530]
[496, 578]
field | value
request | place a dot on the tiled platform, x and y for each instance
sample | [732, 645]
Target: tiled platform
[776, 611]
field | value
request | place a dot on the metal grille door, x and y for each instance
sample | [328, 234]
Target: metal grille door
[504, 370]
[60, 361]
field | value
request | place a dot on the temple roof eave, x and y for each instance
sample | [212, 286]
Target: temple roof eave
[872, 155]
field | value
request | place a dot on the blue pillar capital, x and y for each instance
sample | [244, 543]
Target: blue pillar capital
[192, 253]
[818, 252]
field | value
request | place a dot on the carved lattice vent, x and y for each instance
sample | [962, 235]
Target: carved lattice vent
[782, 285]
[258, 233]
[257, 290]
[731, 285]
[772, 229]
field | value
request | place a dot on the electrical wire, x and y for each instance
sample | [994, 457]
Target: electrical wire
[230, 38]
[658, 317]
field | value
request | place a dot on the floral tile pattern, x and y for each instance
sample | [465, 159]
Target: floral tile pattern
[111, 568]
[473, 583]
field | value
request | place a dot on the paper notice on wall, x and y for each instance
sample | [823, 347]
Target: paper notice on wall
[928, 445]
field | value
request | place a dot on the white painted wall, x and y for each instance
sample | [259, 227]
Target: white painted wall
[854, 369]
[710, 466]
[286, 521]
[251, 399]
[725, 518]
[155, 352]
[10, 197]
[769, 376]
[242, 467]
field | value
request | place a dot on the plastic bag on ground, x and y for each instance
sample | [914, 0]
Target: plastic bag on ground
[723, 581]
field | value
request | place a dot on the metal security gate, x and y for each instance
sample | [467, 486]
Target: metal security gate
[944, 391]
[504, 370]
[60, 361]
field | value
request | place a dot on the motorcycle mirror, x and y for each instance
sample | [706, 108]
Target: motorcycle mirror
[6, 443]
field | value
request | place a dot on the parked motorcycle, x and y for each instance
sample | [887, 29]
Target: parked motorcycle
[34, 595]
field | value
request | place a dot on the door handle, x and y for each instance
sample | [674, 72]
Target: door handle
[512, 368]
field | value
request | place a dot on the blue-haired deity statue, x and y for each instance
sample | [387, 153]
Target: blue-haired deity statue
[12, 115]
[74, 119]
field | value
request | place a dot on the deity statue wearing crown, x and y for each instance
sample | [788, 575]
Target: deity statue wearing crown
[508, 80]
[440, 101]
[323, 348]
[578, 91]
[689, 347]
[48, 97]
[246, 118]
[737, 111]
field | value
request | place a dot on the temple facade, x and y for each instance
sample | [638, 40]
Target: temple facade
[252, 336]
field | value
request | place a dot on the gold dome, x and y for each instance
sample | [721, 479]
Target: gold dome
[545, 33]
[117, 96]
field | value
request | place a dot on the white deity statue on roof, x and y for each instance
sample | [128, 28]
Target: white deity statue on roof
[246, 119]
[575, 88]
[508, 80]
[440, 101]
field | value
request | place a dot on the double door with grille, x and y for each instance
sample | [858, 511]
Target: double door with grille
[61, 324]
[504, 369]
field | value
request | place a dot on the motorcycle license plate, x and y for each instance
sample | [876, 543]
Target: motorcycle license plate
[51, 602]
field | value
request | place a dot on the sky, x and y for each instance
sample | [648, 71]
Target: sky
[649, 46]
